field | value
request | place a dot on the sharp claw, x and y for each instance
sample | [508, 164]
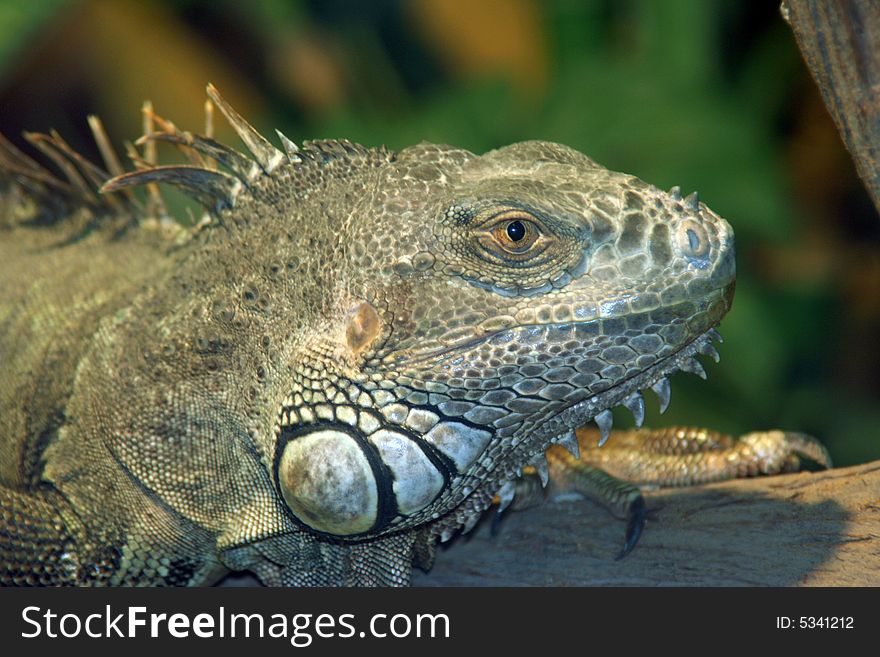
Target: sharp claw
[634, 526]
[809, 448]
[783, 445]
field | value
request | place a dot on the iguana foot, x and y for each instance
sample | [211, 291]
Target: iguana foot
[569, 475]
[686, 456]
[678, 456]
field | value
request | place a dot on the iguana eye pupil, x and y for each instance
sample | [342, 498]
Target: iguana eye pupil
[516, 231]
[514, 234]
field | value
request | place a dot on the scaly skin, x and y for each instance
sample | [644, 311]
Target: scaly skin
[348, 361]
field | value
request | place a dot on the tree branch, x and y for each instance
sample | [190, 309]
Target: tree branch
[819, 529]
[840, 42]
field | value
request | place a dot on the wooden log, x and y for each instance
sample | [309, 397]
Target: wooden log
[814, 529]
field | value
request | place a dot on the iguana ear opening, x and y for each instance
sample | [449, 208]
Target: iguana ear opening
[362, 326]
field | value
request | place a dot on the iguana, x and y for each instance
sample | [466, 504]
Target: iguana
[350, 357]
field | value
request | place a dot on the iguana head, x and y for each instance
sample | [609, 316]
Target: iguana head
[425, 323]
[498, 302]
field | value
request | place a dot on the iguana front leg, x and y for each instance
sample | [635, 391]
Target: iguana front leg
[677, 456]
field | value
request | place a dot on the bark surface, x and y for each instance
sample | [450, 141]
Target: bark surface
[813, 529]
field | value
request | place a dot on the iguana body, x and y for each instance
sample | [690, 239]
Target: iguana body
[356, 354]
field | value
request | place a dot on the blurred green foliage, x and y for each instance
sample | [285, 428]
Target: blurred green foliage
[21, 22]
[706, 94]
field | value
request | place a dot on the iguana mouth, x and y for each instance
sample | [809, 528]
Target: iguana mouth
[655, 378]
[560, 428]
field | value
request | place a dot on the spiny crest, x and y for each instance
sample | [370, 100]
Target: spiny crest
[323, 151]
[215, 189]
[82, 180]
[267, 156]
[200, 178]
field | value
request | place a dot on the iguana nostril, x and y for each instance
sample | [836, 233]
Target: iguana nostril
[693, 242]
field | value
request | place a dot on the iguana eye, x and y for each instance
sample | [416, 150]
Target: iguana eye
[515, 233]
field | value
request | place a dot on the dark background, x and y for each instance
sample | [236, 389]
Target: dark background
[707, 94]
